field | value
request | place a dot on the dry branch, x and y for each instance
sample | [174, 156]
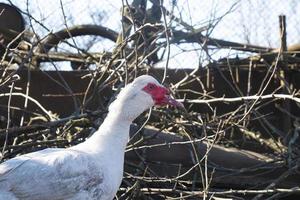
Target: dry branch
[244, 99]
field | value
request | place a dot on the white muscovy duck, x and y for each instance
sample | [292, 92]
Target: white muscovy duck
[92, 169]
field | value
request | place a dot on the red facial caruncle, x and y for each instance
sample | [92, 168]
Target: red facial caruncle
[161, 95]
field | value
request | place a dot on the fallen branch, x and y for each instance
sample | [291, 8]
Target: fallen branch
[244, 98]
[218, 192]
[49, 114]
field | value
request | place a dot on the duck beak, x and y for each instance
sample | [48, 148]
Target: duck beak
[168, 99]
[173, 102]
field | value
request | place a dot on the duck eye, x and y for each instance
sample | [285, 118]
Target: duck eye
[151, 86]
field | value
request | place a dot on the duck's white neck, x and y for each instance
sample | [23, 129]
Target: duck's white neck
[112, 136]
[114, 130]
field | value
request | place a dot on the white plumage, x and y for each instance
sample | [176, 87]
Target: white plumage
[92, 169]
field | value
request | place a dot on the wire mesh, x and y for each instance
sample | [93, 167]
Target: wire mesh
[251, 21]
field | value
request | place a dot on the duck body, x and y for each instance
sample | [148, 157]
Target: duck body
[91, 170]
